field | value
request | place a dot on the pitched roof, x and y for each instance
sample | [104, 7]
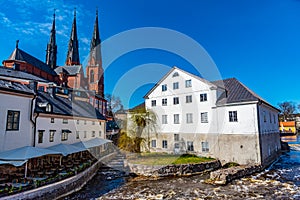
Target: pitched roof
[19, 74]
[71, 70]
[236, 91]
[20, 55]
[65, 106]
[173, 69]
[15, 87]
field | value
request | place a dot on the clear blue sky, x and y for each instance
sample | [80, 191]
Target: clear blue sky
[256, 41]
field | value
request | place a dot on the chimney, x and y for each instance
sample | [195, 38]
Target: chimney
[71, 95]
[51, 90]
[33, 85]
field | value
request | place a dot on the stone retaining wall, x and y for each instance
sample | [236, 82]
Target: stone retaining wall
[61, 188]
[224, 176]
[173, 170]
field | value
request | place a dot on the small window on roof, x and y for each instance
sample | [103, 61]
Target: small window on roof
[175, 74]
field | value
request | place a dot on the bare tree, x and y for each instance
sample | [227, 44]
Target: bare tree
[114, 103]
[287, 109]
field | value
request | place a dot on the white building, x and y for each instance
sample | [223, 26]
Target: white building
[17, 103]
[222, 119]
[63, 116]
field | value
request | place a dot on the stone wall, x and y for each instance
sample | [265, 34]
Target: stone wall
[224, 176]
[173, 170]
[61, 188]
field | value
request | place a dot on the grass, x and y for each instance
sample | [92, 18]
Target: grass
[167, 159]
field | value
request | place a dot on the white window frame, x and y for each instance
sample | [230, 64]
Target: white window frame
[164, 102]
[204, 117]
[189, 118]
[188, 99]
[188, 83]
[176, 100]
[175, 85]
[164, 119]
[233, 116]
[176, 119]
[203, 97]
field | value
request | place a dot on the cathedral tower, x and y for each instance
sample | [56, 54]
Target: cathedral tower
[52, 47]
[94, 70]
[73, 52]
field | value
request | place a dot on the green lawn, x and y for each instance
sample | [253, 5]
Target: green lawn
[167, 159]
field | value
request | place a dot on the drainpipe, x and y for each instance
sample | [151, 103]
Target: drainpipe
[32, 107]
[258, 128]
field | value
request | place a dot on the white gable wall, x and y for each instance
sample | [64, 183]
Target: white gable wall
[22, 137]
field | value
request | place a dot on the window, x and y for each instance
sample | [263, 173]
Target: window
[92, 76]
[188, 99]
[203, 97]
[190, 146]
[153, 143]
[164, 102]
[265, 117]
[77, 122]
[205, 147]
[175, 74]
[64, 135]
[204, 118]
[84, 122]
[175, 85]
[274, 119]
[164, 119]
[189, 118]
[93, 123]
[77, 134]
[40, 136]
[13, 118]
[84, 134]
[52, 120]
[93, 133]
[65, 121]
[164, 87]
[176, 137]
[176, 118]
[153, 103]
[233, 116]
[164, 144]
[100, 123]
[100, 133]
[188, 83]
[270, 117]
[51, 135]
[176, 100]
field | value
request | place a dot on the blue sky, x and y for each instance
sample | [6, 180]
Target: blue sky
[256, 41]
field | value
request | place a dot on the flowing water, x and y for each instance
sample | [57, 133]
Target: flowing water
[279, 181]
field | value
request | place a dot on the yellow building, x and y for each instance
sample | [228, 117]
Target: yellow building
[288, 127]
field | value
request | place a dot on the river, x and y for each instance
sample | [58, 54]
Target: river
[280, 181]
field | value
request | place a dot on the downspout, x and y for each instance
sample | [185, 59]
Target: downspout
[33, 121]
[258, 128]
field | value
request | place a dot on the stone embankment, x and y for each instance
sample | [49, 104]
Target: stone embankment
[63, 187]
[173, 170]
[224, 176]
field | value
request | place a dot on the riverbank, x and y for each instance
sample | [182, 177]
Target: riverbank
[64, 187]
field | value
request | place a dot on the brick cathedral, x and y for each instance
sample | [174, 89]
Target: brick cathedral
[70, 75]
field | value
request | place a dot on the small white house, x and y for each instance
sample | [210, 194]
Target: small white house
[64, 116]
[17, 103]
[222, 119]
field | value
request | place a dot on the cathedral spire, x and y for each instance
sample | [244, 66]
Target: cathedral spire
[52, 47]
[94, 69]
[73, 52]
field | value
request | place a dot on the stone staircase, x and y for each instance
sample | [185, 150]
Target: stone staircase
[118, 163]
